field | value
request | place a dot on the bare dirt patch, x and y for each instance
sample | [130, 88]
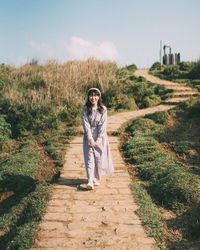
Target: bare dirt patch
[182, 130]
[48, 169]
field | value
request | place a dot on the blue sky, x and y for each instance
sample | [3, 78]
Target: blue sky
[125, 31]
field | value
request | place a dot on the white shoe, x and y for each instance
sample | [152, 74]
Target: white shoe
[90, 185]
[95, 182]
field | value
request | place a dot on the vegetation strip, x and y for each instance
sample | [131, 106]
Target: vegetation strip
[168, 181]
[23, 209]
[150, 215]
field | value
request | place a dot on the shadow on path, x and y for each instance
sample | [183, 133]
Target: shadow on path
[76, 183]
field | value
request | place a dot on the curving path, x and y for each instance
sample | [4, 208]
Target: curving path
[182, 92]
[104, 218]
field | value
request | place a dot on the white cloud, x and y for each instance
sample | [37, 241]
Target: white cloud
[82, 49]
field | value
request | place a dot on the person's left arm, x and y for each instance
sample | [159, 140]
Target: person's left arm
[102, 126]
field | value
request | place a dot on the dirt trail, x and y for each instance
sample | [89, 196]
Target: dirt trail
[103, 218]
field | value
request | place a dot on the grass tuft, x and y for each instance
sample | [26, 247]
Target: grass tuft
[150, 215]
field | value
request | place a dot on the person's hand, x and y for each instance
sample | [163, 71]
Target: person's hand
[92, 143]
[96, 144]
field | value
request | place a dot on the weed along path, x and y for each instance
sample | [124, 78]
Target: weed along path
[104, 218]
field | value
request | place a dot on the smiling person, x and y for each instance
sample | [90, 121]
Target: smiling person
[97, 155]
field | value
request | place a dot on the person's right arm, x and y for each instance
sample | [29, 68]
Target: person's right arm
[87, 127]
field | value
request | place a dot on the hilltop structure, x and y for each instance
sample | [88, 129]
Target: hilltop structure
[170, 59]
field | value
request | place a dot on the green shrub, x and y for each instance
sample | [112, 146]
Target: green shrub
[117, 97]
[156, 66]
[142, 158]
[70, 132]
[190, 107]
[34, 119]
[186, 66]
[182, 80]
[195, 72]
[148, 128]
[150, 101]
[163, 92]
[110, 96]
[153, 171]
[5, 132]
[161, 117]
[140, 141]
[171, 72]
[147, 94]
[178, 188]
[142, 125]
[71, 113]
[125, 102]
[132, 67]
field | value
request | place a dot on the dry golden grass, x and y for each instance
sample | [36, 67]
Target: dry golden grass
[33, 84]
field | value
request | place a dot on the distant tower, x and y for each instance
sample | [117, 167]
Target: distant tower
[170, 59]
[166, 59]
[179, 58]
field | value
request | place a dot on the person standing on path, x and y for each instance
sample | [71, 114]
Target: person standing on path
[97, 155]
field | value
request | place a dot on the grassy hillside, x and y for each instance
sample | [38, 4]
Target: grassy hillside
[163, 152]
[40, 107]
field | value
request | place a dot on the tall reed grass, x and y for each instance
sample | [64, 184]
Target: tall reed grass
[52, 83]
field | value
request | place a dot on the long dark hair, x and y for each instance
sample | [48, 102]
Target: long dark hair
[99, 103]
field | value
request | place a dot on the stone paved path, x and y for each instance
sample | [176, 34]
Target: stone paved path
[103, 218]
